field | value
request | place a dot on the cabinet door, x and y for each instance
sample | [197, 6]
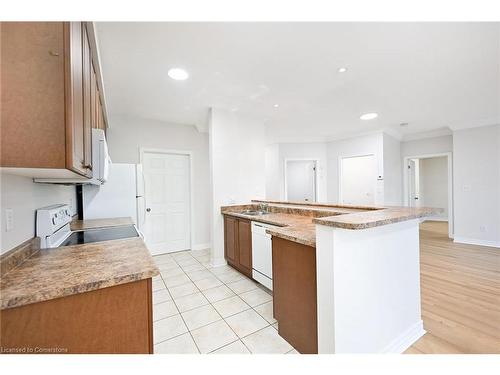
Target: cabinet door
[245, 246]
[75, 138]
[87, 99]
[230, 238]
[32, 95]
[94, 99]
[101, 121]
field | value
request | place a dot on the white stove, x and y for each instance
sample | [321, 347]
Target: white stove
[52, 224]
[53, 228]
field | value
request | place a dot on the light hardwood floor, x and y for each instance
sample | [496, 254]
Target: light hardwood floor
[460, 287]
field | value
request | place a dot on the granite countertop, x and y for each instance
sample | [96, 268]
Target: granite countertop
[59, 272]
[293, 222]
[78, 225]
[370, 219]
[297, 221]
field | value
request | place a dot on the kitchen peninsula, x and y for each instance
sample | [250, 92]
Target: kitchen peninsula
[345, 279]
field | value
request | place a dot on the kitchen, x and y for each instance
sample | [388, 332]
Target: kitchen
[205, 218]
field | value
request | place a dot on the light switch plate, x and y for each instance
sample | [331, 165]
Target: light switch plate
[9, 219]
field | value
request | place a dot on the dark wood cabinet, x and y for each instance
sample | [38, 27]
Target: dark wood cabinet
[230, 240]
[116, 319]
[238, 244]
[49, 96]
[245, 245]
[294, 292]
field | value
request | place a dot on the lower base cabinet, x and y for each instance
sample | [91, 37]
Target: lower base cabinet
[294, 292]
[111, 320]
[238, 244]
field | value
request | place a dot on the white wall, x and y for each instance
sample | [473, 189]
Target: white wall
[24, 196]
[237, 166]
[126, 135]
[274, 176]
[392, 171]
[358, 146]
[476, 185]
[434, 184]
[277, 154]
[435, 145]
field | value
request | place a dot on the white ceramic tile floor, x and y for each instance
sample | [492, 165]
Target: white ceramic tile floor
[191, 301]
[203, 309]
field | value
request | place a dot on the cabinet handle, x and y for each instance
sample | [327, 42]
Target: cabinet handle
[53, 53]
[87, 166]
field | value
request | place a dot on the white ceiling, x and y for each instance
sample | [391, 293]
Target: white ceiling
[430, 75]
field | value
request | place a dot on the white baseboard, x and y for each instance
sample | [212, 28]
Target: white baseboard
[406, 339]
[200, 246]
[218, 262]
[473, 241]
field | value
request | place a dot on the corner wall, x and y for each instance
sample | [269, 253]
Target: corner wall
[237, 168]
[476, 185]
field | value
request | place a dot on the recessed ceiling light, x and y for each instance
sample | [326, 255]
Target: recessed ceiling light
[276, 105]
[178, 74]
[342, 70]
[369, 116]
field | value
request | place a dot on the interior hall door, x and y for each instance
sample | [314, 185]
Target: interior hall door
[167, 195]
[358, 180]
[301, 180]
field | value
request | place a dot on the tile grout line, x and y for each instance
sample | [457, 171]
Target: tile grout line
[183, 320]
[268, 324]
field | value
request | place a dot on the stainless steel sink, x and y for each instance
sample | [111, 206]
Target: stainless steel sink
[254, 212]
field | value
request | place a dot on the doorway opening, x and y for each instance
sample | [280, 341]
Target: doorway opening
[168, 197]
[358, 180]
[428, 183]
[301, 180]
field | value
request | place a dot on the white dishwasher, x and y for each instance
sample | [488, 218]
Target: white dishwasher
[262, 254]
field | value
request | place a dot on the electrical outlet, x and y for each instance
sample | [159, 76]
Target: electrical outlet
[9, 219]
[466, 188]
[482, 228]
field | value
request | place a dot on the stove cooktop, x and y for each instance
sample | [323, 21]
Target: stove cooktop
[97, 235]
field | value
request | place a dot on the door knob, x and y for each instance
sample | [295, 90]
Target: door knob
[148, 209]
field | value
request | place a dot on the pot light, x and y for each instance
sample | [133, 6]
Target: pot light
[342, 70]
[178, 74]
[276, 105]
[369, 116]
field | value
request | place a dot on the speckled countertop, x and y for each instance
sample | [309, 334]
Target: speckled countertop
[77, 225]
[370, 219]
[297, 221]
[68, 270]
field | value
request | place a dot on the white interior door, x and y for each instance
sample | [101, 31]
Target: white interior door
[167, 226]
[414, 182]
[301, 180]
[358, 180]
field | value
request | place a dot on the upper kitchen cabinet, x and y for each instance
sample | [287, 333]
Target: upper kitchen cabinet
[51, 98]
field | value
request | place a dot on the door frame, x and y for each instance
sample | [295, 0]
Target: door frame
[342, 157]
[189, 153]
[316, 163]
[449, 156]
